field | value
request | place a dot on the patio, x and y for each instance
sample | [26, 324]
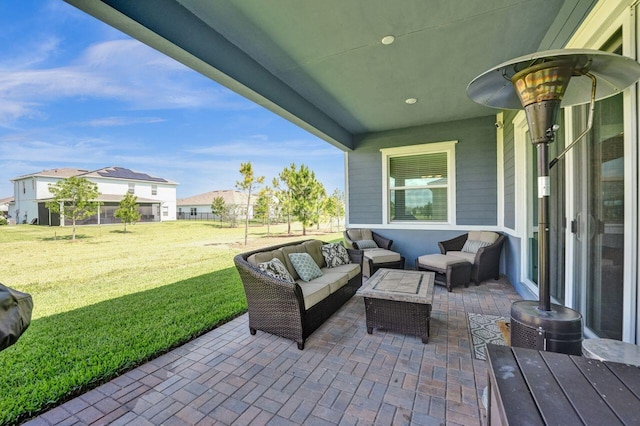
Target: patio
[344, 375]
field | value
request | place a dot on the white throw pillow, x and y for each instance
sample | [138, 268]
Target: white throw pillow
[472, 246]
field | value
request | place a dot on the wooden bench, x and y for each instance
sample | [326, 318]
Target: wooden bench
[536, 388]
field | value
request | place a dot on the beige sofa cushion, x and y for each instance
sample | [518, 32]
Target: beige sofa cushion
[314, 291]
[298, 248]
[350, 269]
[486, 236]
[360, 234]
[314, 248]
[379, 255]
[266, 256]
[439, 261]
[469, 257]
[333, 280]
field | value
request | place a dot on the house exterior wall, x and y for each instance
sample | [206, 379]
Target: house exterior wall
[476, 184]
[166, 193]
[476, 174]
[608, 20]
[26, 193]
[30, 190]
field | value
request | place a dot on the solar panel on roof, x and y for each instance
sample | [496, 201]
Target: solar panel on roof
[122, 173]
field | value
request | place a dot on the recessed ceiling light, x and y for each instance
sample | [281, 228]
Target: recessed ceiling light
[410, 101]
[388, 39]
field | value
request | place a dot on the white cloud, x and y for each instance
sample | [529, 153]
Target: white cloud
[122, 70]
[122, 121]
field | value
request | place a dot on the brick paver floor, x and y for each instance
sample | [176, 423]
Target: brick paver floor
[343, 376]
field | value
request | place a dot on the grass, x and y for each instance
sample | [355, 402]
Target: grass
[112, 300]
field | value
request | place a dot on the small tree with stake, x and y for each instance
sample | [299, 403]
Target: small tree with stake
[248, 184]
[74, 198]
[128, 210]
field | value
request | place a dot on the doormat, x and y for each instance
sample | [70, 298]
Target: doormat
[485, 329]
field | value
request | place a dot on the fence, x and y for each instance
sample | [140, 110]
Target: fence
[197, 216]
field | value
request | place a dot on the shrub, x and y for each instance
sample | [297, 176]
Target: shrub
[3, 221]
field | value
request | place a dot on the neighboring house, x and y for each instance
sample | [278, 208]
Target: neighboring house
[386, 83]
[198, 207]
[4, 206]
[156, 196]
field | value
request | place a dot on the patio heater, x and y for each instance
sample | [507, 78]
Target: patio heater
[542, 83]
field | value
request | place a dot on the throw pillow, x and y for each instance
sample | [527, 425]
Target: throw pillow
[366, 244]
[276, 269]
[472, 246]
[305, 266]
[335, 254]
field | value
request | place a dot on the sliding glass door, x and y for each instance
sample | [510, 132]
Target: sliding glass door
[599, 222]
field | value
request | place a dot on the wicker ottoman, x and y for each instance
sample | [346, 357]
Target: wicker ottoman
[450, 270]
[399, 301]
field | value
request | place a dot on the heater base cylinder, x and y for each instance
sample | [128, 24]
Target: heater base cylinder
[558, 330]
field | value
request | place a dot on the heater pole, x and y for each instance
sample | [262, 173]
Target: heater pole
[544, 190]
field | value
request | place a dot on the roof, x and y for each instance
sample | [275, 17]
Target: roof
[62, 173]
[230, 196]
[323, 64]
[6, 200]
[107, 172]
[122, 173]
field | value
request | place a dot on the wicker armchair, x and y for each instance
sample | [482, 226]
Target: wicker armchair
[374, 259]
[486, 262]
[277, 307]
[381, 241]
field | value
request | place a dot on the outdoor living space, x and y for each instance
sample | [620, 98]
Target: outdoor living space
[343, 376]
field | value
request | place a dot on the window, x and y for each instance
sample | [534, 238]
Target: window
[154, 189]
[419, 183]
[194, 211]
[165, 211]
[132, 188]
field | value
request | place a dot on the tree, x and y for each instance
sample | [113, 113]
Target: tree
[283, 194]
[321, 195]
[334, 207]
[247, 184]
[74, 198]
[263, 208]
[304, 194]
[219, 207]
[128, 210]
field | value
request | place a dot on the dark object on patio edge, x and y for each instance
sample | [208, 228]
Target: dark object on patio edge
[15, 315]
[487, 261]
[557, 330]
[277, 307]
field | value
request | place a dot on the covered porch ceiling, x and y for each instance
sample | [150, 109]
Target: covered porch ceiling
[323, 65]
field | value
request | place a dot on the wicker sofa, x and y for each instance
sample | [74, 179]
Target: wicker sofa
[295, 310]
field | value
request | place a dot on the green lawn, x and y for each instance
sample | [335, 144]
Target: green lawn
[111, 300]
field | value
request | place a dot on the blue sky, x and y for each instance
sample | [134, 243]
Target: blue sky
[75, 92]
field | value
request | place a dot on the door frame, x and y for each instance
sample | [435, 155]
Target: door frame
[607, 17]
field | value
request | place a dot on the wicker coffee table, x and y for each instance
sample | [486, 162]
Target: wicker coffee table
[399, 301]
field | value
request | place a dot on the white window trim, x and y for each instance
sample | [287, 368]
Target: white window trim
[520, 146]
[500, 162]
[429, 148]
